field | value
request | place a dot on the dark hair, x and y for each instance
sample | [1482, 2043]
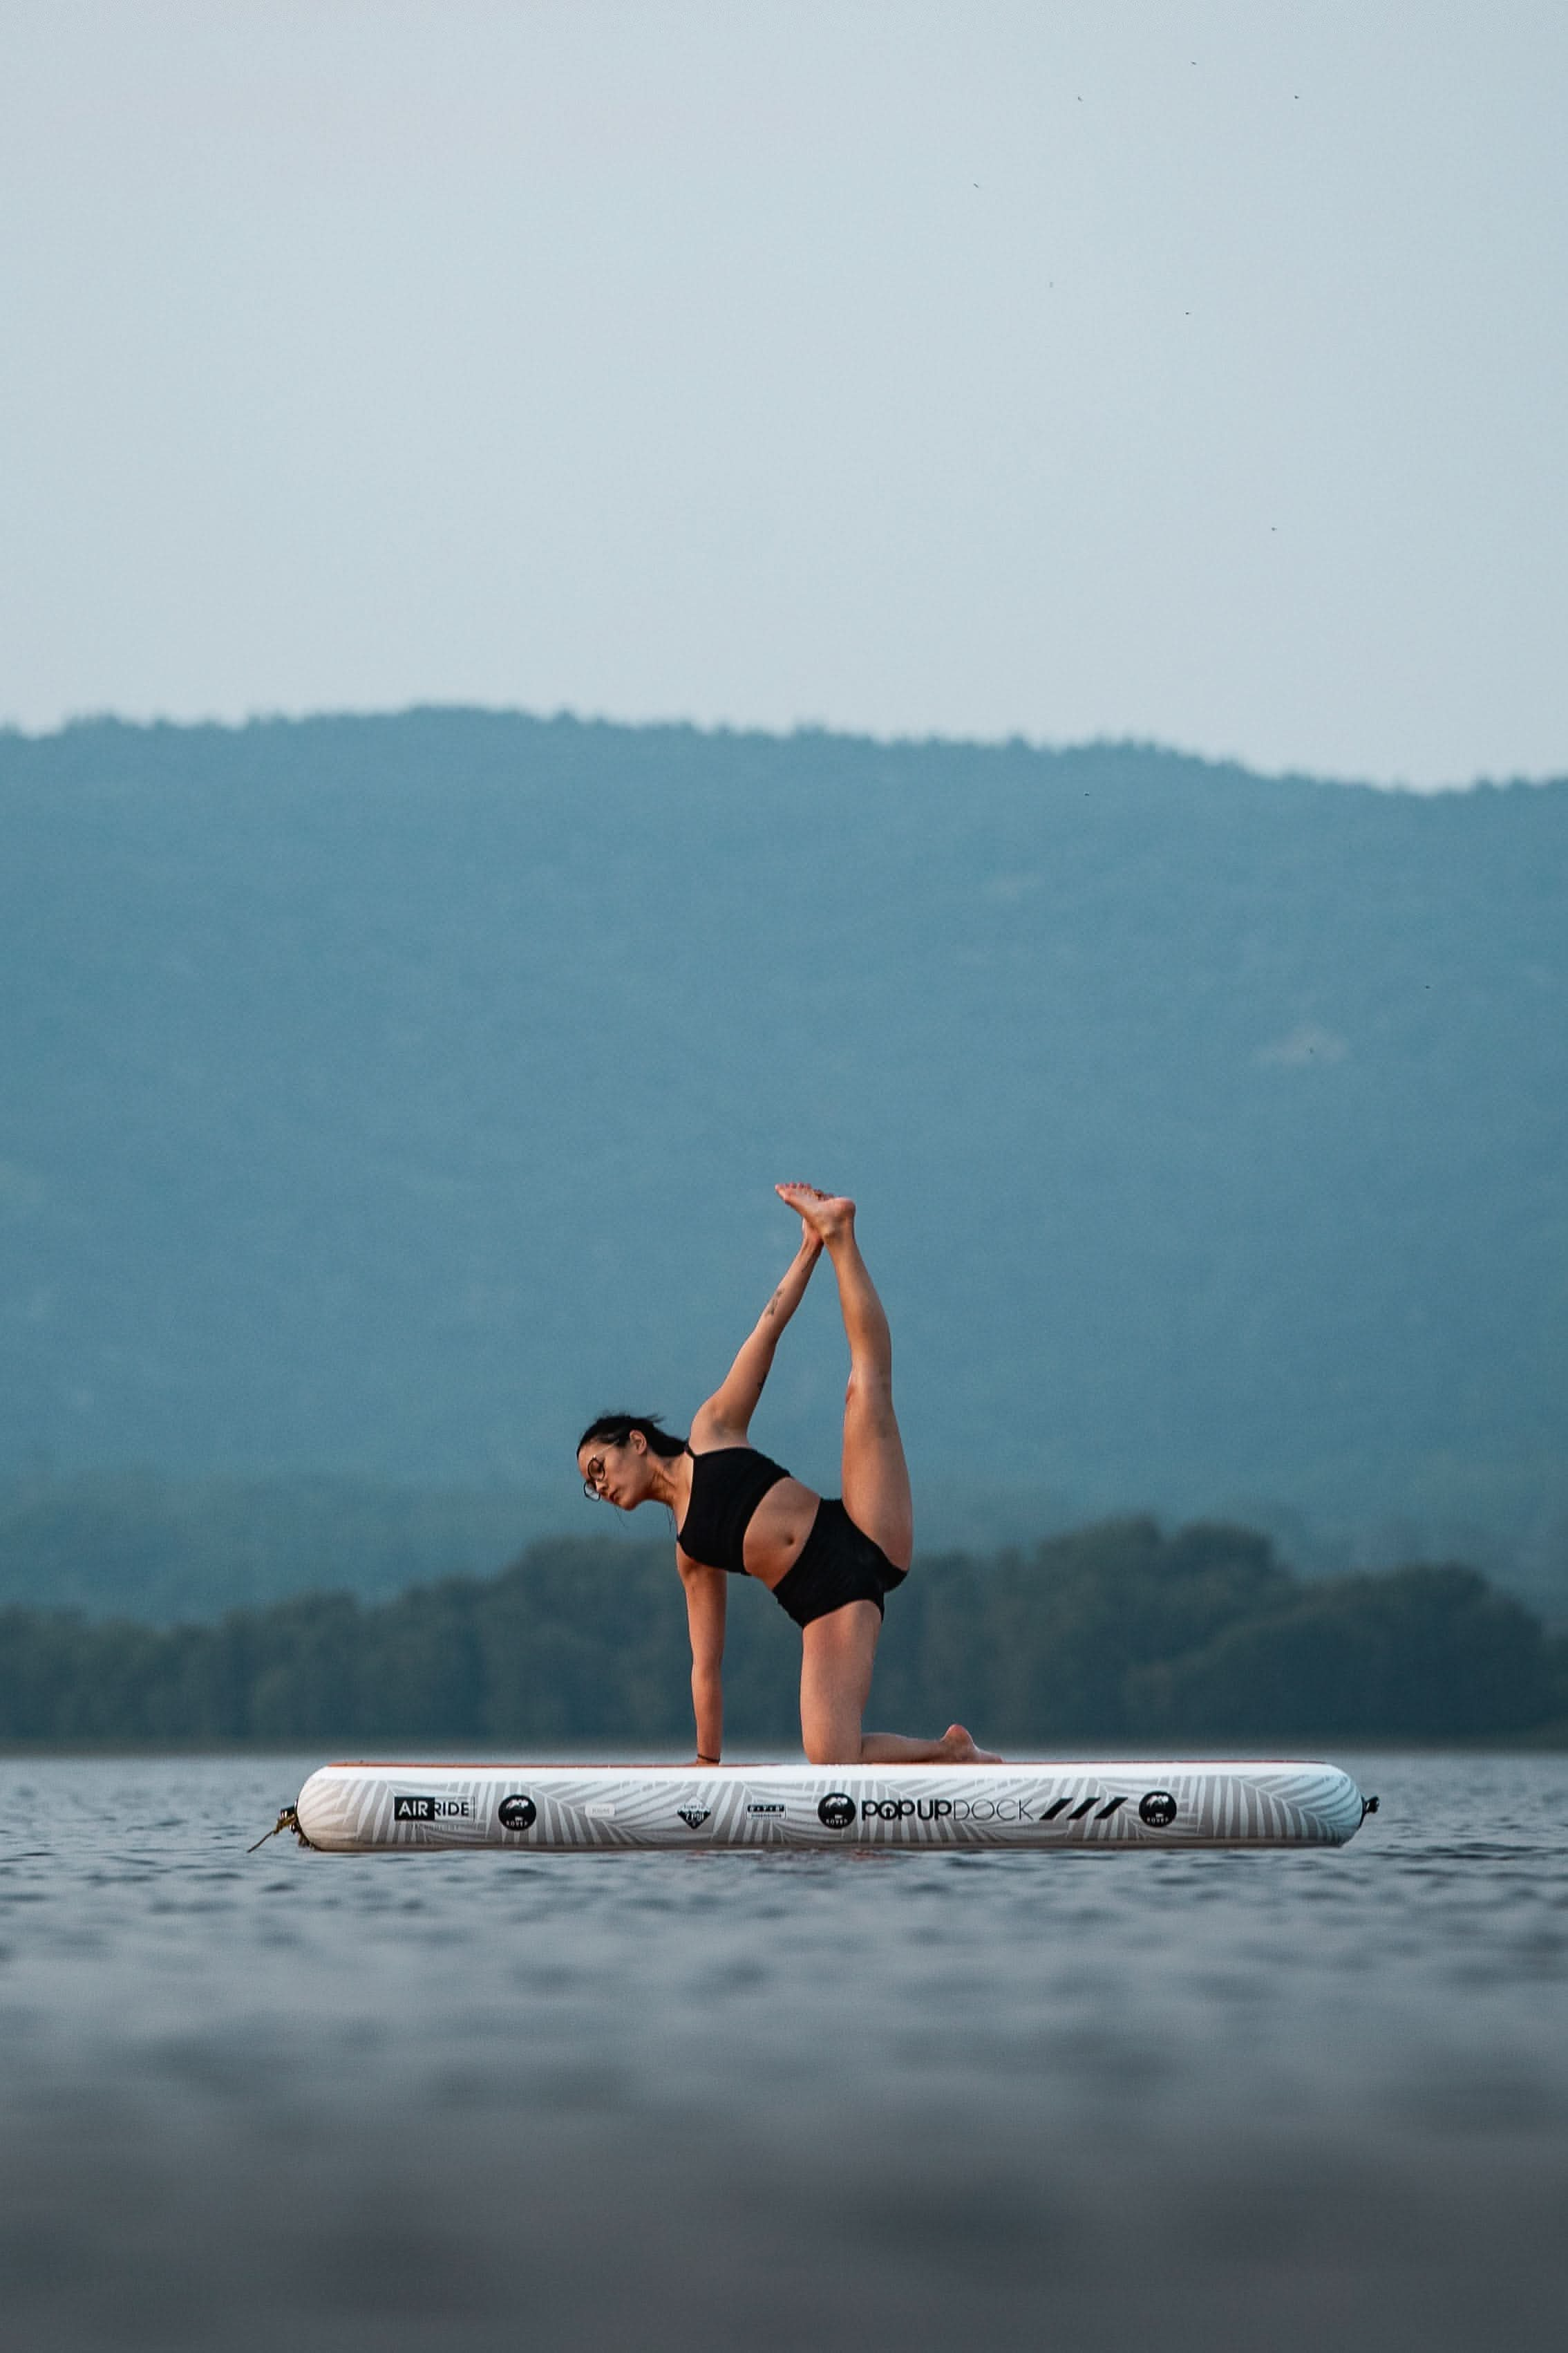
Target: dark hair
[614, 1428]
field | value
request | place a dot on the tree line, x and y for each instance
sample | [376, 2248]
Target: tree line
[1120, 1632]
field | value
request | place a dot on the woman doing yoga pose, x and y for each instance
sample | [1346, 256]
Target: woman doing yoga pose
[828, 1563]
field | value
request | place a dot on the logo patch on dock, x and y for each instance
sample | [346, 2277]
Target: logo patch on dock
[431, 1809]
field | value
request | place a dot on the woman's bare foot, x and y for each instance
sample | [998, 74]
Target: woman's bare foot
[959, 1749]
[827, 1215]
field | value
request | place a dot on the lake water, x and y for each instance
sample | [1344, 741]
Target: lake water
[720, 2103]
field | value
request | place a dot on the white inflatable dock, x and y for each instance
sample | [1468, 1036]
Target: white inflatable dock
[365, 1808]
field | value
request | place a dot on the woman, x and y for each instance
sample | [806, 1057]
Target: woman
[827, 1563]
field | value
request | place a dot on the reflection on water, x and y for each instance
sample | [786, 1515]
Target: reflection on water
[746, 2104]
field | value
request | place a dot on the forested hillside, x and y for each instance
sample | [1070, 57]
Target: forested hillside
[1117, 1633]
[381, 1098]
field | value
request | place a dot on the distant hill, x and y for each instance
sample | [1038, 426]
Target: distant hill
[164, 1550]
[380, 1098]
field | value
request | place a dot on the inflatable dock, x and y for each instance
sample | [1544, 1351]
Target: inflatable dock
[371, 1808]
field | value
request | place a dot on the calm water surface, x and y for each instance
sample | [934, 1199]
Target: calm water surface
[731, 2102]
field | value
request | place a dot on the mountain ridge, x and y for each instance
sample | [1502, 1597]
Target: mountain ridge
[387, 1095]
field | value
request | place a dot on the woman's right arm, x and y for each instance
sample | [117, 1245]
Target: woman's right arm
[705, 1598]
[726, 1417]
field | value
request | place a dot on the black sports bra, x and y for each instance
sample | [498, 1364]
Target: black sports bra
[727, 1484]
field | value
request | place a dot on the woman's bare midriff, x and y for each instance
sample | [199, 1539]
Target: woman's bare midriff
[778, 1527]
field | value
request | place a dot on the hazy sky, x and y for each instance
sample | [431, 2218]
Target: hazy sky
[1197, 373]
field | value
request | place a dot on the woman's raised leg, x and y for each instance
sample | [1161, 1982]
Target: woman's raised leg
[874, 1475]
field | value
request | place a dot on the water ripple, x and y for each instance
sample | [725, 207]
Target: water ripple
[723, 2101]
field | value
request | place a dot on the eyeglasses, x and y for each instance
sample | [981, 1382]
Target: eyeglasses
[592, 1478]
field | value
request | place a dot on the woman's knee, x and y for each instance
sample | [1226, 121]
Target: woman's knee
[824, 1748]
[832, 1709]
[870, 1395]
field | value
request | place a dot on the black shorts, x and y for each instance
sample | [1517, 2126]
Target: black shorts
[838, 1563]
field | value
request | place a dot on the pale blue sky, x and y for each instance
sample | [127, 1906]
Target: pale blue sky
[1197, 373]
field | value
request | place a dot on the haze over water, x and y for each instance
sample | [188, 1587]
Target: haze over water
[758, 2102]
